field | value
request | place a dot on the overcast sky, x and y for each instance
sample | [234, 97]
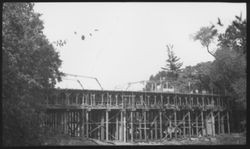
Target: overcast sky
[128, 40]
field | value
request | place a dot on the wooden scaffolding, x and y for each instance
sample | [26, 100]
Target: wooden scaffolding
[136, 116]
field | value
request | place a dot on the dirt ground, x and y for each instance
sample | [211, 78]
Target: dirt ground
[225, 139]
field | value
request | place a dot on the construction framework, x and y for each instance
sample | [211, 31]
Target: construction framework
[131, 116]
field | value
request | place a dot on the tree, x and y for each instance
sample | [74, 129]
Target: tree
[235, 36]
[206, 35]
[228, 70]
[173, 65]
[30, 68]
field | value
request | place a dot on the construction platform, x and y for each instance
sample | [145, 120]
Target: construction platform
[131, 116]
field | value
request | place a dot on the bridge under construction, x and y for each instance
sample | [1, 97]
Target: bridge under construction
[131, 116]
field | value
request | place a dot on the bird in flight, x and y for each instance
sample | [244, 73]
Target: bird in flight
[219, 22]
[83, 37]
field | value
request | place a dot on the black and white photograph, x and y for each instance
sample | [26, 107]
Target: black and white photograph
[124, 73]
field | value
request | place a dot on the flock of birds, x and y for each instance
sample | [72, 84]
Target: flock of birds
[61, 43]
[83, 36]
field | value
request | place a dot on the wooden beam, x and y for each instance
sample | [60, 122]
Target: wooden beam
[212, 117]
[156, 135]
[170, 126]
[202, 123]
[161, 103]
[102, 125]
[197, 125]
[189, 123]
[121, 126]
[184, 126]
[102, 99]
[140, 126]
[65, 122]
[222, 125]
[228, 124]
[87, 123]
[145, 125]
[107, 125]
[175, 123]
[132, 123]
[219, 131]
[116, 99]
[160, 116]
[117, 128]
[124, 127]
[94, 103]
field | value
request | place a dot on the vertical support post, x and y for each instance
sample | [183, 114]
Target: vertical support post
[87, 123]
[175, 124]
[91, 99]
[202, 123]
[82, 124]
[124, 127]
[110, 100]
[70, 123]
[228, 124]
[203, 103]
[55, 118]
[132, 131]
[102, 126]
[116, 99]
[219, 131]
[67, 98]
[145, 125]
[189, 123]
[117, 129]
[107, 125]
[65, 122]
[184, 126]
[161, 104]
[222, 125]
[156, 134]
[197, 125]
[212, 117]
[121, 127]
[170, 126]
[102, 99]
[99, 123]
[160, 116]
[140, 126]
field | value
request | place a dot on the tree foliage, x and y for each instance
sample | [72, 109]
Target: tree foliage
[227, 73]
[30, 67]
[206, 36]
[173, 65]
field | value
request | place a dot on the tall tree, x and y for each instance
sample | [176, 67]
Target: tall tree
[30, 67]
[173, 65]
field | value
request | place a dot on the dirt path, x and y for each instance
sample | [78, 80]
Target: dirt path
[218, 140]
